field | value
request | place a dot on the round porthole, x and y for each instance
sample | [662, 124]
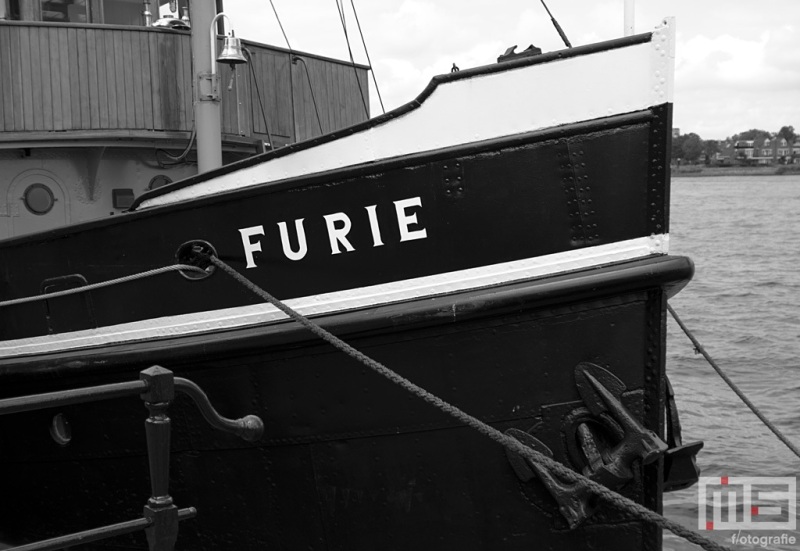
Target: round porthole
[60, 430]
[159, 181]
[38, 199]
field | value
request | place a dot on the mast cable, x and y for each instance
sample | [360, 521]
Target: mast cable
[555, 24]
[291, 79]
[295, 59]
[340, 9]
[286, 38]
[258, 94]
[369, 61]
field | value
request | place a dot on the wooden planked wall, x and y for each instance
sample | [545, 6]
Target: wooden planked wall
[68, 77]
[60, 77]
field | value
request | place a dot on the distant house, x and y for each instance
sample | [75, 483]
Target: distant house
[768, 151]
[764, 151]
[726, 154]
[744, 151]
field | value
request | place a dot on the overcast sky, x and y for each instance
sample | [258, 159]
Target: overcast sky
[737, 61]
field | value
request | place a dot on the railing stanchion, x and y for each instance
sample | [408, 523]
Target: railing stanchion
[163, 533]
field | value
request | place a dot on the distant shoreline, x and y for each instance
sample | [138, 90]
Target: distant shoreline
[702, 171]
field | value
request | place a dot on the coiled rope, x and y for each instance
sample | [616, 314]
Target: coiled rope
[83, 289]
[621, 502]
[739, 393]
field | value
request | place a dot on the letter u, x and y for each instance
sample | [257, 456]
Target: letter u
[301, 240]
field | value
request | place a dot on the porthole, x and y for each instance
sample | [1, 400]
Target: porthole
[38, 199]
[60, 430]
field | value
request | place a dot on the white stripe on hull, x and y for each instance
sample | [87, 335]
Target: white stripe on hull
[339, 301]
[483, 107]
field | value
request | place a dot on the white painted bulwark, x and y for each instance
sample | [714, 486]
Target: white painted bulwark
[345, 300]
[484, 107]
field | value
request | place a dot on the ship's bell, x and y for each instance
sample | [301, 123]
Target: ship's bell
[231, 51]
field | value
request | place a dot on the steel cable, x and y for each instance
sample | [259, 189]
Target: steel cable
[734, 388]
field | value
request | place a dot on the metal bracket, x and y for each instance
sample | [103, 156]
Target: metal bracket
[208, 87]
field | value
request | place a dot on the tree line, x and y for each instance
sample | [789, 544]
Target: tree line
[690, 147]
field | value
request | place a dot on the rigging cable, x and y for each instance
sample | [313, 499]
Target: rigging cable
[291, 80]
[340, 9]
[556, 25]
[699, 348]
[369, 61]
[295, 59]
[258, 94]
[286, 38]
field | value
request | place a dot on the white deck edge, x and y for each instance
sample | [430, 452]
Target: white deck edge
[339, 301]
[484, 107]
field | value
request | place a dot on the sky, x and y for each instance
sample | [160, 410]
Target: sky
[737, 61]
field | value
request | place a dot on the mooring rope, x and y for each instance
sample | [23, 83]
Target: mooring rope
[84, 288]
[621, 502]
[699, 347]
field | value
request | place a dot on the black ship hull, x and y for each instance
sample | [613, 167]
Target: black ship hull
[485, 272]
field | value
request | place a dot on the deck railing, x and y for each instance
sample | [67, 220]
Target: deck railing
[156, 387]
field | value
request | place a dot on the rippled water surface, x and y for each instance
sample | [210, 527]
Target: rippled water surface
[743, 305]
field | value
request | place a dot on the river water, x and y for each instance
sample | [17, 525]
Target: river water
[743, 305]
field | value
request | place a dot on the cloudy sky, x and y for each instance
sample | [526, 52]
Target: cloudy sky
[737, 61]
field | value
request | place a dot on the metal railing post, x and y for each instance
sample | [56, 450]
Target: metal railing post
[163, 533]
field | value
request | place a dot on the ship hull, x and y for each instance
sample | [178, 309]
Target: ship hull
[349, 460]
[485, 270]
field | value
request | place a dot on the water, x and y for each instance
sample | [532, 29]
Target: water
[743, 305]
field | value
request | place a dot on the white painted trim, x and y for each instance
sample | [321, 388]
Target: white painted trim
[338, 301]
[484, 107]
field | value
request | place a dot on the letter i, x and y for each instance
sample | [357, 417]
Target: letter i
[373, 224]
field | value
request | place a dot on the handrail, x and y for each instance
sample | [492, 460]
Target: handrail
[97, 534]
[156, 387]
[35, 402]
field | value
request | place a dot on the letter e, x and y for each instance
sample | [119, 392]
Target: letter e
[405, 220]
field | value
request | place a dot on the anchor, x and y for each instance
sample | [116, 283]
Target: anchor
[680, 463]
[610, 465]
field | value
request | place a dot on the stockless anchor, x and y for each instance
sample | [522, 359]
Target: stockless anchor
[605, 440]
[156, 387]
